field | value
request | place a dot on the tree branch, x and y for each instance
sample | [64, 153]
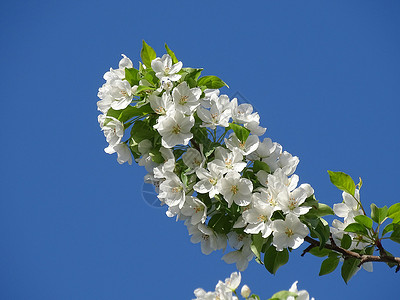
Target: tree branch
[348, 253]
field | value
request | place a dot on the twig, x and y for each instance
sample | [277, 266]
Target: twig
[348, 253]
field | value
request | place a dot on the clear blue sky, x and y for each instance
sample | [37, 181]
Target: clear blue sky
[324, 76]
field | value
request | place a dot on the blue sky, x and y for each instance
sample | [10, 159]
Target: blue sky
[323, 75]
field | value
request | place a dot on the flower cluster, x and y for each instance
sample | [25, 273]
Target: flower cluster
[349, 209]
[226, 184]
[227, 291]
[210, 165]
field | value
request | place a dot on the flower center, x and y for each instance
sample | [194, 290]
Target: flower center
[228, 163]
[292, 203]
[160, 110]
[234, 189]
[176, 129]
[183, 100]
[166, 70]
[214, 117]
[199, 209]
[262, 218]
[213, 181]
[289, 232]
[177, 189]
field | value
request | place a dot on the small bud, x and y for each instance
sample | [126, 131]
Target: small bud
[245, 292]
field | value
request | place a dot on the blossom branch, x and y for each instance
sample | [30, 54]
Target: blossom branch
[351, 254]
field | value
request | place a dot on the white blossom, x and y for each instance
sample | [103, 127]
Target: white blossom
[193, 159]
[195, 209]
[162, 170]
[203, 295]
[350, 207]
[239, 257]
[186, 99]
[164, 68]
[219, 113]
[243, 114]
[258, 217]
[175, 129]
[113, 130]
[246, 148]
[210, 240]
[301, 295]
[288, 233]
[172, 191]
[245, 291]
[236, 241]
[161, 105]
[291, 201]
[288, 163]
[209, 180]
[228, 160]
[264, 150]
[124, 154]
[233, 281]
[236, 189]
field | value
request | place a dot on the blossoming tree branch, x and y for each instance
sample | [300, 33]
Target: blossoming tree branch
[212, 168]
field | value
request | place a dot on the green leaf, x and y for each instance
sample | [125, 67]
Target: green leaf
[211, 82]
[260, 165]
[324, 210]
[129, 112]
[394, 212]
[151, 77]
[184, 179]
[349, 268]
[220, 223]
[214, 219]
[378, 214]
[346, 241]
[319, 252]
[142, 131]
[364, 220]
[356, 228]
[343, 182]
[388, 228]
[241, 132]
[147, 54]
[190, 73]
[395, 236]
[257, 244]
[144, 88]
[172, 54]
[311, 201]
[200, 135]
[273, 259]
[359, 184]
[319, 228]
[209, 148]
[277, 215]
[283, 295]
[156, 156]
[132, 76]
[329, 265]
[318, 210]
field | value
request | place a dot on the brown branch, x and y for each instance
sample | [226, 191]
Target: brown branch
[307, 249]
[195, 145]
[348, 253]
